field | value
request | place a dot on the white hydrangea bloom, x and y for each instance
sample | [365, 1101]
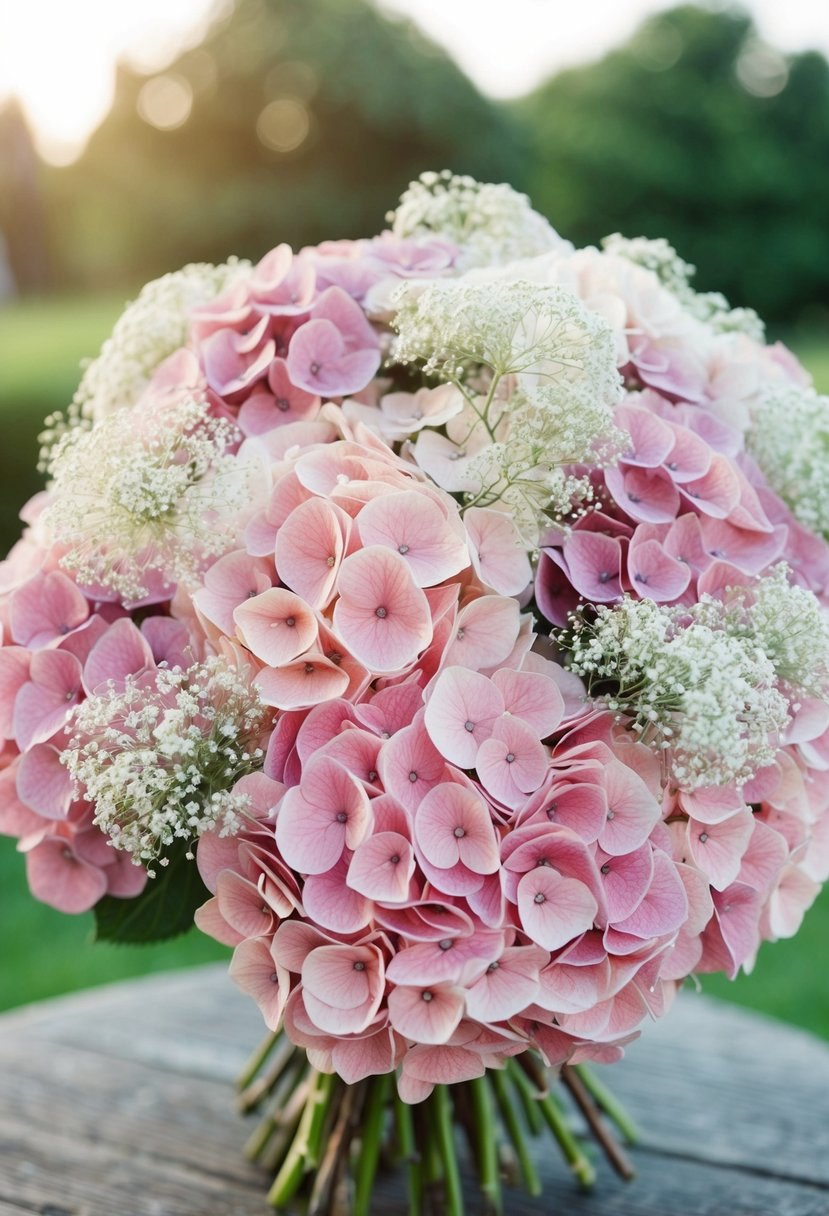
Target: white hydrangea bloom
[706, 699]
[491, 224]
[158, 760]
[138, 501]
[789, 439]
[660, 257]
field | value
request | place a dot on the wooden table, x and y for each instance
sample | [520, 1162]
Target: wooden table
[118, 1102]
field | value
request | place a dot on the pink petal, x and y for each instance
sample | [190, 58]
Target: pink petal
[60, 879]
[717, 848]
[382, 867]
[254, 970]
[426, 1015]
[309, 680]
[43, 783]
[507, 986]
[461, 712]
[594, 562]
[718, 492]
[664, 906]
[382, 616]
[410, 765]
[625, 880]
[655, 574]
[532, 697]
[120, 652]
[650, 438]
[276, 626]
[632, 810]
[14, 672]
[328, 811]
[414, 526]
[498, 554]
[647, 495]
[452, 825]
[485, 634]
[309, 548]
[512, 762]
[332, 904]
[45, 609]
[554, 909]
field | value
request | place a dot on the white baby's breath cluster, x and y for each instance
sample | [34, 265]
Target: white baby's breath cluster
[141, 499]
[158, 758]
[704, 698]
[150, 328]
[660, 257]
[490, 223]
[789, 439]
[785, 621]
[538, 372]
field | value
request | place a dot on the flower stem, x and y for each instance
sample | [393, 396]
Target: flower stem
[601, 1133]
[607, 1102]
[510, 1120]
[408, 1150]
[257, 1060]
[444, 1127]
[527, 1098]
[557, 1123]
[303, 1153]
[484, 1119]
[372, 1130]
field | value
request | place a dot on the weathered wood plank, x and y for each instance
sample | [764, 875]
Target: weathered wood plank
[117, 1103]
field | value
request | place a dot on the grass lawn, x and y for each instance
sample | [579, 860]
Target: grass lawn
[45, 953]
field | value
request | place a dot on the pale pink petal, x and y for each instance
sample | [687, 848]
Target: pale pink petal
[45, 609]
[318, 819]
[382, 867]
[512, 762]
[498, 553]
[120, 652]
[632, 810]
[332, 904]
[452, 825]
[717, 848]
[309, 548]
[414, 526]
[554, 909]
[426, 1015]
[382, 616]
[665, 905]
[254, 970]
[485, 633]
[276, 626]
[655, 574]
[533, 697]
[59, 878]
[461, 712]
[411, 765]
[508, 985]
[43, 783]
[312, 679]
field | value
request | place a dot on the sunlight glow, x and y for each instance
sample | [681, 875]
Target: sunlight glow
[59, 56]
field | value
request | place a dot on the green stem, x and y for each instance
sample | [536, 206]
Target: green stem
[487, 1137]
[302, 1155]
[257, 1059]
[510, 1120]
[527, 1095]
[558, 1125]
[408, 1150]
[609, 1103]
[444, 1126]
[371, 1137]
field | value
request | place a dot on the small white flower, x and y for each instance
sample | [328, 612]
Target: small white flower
[789, 439]
[491, 224]
[145, 756]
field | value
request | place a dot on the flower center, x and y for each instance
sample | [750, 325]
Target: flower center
[342, 817]
[381, 612]
[460, 832]
[470, 726]
[359, 966]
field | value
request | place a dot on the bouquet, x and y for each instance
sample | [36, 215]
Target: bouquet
[437, 619]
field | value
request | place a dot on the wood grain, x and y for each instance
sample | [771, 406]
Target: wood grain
[118, 1102]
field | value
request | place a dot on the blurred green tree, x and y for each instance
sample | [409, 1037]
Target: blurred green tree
[295, 120]
[696, 131]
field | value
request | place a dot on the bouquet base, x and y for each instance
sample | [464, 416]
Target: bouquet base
[325, 1140]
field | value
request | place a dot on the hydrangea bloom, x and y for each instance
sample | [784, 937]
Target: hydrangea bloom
[459, 600]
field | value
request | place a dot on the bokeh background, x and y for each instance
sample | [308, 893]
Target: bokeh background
[141, 135]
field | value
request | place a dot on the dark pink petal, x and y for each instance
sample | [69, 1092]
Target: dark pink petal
[625, 880]
[655, 574]
[594, 562]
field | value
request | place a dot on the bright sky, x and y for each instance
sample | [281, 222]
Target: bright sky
[59, 55]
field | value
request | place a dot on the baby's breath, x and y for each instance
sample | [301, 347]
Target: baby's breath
[134, 499]
[150, 328]
[158, 758]
[491, 224]
[789, 439]
[704, 698]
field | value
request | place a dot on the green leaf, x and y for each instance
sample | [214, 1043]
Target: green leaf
[164, 909]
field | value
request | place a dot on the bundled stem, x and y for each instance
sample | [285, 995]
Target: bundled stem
[325, 1140]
